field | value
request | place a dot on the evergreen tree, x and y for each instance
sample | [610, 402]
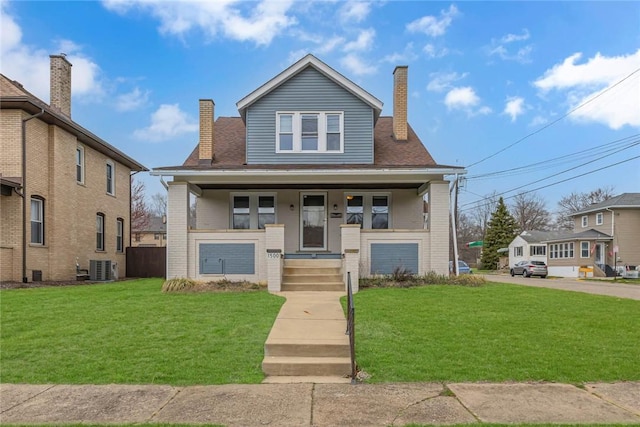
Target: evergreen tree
[501, 231]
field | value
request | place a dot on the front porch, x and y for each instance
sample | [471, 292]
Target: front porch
[243, 234]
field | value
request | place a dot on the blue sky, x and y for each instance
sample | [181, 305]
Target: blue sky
[483, 76]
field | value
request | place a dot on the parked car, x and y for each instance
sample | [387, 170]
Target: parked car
[530, 268]
[463, 267]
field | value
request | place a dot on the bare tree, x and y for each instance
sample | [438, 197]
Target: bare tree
[468, 231]
[575, 202]
[530, 212]
[481, 213]
[140, 215]
[159, 204]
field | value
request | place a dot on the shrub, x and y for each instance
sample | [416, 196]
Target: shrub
[410, 280]
[178, 285]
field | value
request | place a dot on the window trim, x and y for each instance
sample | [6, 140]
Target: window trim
[518, 251]
[367, 208]
[40, 201]
[253, 208]
[542, 248]
[582, 249]
[120, 235]
[80, 163]
[100, 230]
[296, 130]
[111, 183]
[599, 218]
[584, 221]
[561, 250]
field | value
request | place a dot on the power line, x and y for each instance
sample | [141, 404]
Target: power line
[548, 163]
[552, 184]
[555, 121]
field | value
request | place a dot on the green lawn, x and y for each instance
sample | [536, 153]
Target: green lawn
[496, 332]
[130, 332]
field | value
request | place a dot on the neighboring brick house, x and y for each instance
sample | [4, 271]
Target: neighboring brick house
[71, 195]
[605, 235]
[153, 235]
[309, 170]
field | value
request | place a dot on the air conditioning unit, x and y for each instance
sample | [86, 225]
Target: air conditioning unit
[99, 270]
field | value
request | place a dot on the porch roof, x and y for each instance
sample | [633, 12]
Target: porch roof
[584, 235]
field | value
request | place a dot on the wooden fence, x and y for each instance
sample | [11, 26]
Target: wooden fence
[146, 262]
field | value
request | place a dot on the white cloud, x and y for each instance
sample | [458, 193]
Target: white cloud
[538, 121]
[363, 42]
[407, 55]
[354, 11]
[615, 106]
[514, 107]
[132, 100]
[502, 47]
[30, 65]
[357, 66]
[432, 25]
[465, 99]
[433, 52]
[326, 46]
[243, 21]
[167, 121]
[443, 81]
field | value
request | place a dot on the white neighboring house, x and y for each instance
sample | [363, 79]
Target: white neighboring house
[528, 246]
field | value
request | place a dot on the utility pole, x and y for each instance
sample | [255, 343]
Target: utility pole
[454, 226]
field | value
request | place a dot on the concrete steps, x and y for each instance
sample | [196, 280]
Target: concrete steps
[312, 275]
[308, 339]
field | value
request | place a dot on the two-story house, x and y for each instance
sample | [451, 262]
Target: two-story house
[154, 234]
[309, 170]
[65, 192]
[605, 235]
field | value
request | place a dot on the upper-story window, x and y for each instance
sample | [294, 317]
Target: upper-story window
[309, 132]
[585, 221]
[80, 165]
[599, 218]
[111, 187]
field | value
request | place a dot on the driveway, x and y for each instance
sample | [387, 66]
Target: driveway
[608, 288]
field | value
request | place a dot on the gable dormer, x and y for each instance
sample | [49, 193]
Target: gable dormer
[309, 114]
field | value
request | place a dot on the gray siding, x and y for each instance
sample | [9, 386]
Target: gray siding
[237, 258]
[385, 257]
[309, 90]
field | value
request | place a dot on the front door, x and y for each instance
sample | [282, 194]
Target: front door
[599, 254]
[313, 221]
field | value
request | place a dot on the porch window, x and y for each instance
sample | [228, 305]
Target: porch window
[253, 211]
[241, 213]
[312, 131]
[355, 210]
[266, 211]
[561, 250]
[584, 249]
[371, 211]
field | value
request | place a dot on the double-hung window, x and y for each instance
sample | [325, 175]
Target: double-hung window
[100, 232]
[585, 221]
[110, 178]
[119, 235]
[371, 211]
[517, 251]
[584, 250]
[252, 211]
[599, 218]
[37, 220]
[310, 132]
[537, 250]
[80, 165]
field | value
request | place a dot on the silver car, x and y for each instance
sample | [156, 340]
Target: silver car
[530, 268]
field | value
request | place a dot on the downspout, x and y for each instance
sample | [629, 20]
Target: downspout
[453, 210]
[130, 195]
[24, 193]
[613, 221]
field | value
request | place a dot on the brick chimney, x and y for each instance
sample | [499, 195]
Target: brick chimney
[400, 103]
[60, 76]
[205, 147]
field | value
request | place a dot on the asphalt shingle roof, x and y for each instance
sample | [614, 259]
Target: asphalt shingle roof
[624, 200]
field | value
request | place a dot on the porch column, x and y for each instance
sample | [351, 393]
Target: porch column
[275, 252]
[350, 240]
[439, 227]
[177, 230]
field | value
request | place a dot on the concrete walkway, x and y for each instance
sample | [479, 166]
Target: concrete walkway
[322, 404]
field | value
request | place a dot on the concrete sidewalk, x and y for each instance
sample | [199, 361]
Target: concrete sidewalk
[322, 404]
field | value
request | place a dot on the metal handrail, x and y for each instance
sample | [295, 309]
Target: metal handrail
[351, 313]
